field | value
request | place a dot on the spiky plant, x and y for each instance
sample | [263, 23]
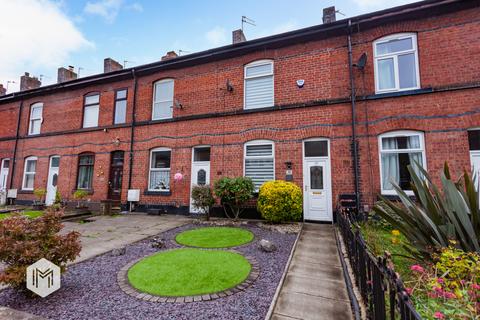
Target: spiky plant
[434, 218]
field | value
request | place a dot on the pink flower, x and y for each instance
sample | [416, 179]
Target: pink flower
[409, 291]
[475, 286]
[178, 177]
[417, 268]
[438, 289]
[440, 280]
[449, 295]
[438, 315]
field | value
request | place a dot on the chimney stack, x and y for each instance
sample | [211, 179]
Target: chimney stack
[3, 91]
[329, 15]
[110, 65]
[27, 82]
[169, 55]
[65, 74]
[238, 36]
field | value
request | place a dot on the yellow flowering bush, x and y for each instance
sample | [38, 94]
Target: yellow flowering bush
[280, 201]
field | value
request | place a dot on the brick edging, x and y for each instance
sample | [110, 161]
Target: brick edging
[126, 287]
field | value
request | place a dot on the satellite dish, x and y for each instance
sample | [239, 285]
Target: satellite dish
[362, 61]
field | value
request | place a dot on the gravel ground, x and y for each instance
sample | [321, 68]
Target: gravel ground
[90, 291]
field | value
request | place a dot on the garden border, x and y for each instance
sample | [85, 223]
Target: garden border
[126, 287]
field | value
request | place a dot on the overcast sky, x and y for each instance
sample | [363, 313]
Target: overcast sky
[38, 36]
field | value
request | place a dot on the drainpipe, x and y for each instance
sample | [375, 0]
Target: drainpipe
[132, 131]
[354, 117]
[17, 135]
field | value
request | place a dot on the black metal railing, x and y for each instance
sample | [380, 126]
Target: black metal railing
[382, 291]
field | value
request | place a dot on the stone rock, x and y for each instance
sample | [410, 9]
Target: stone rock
[118, 252]
[267, 246]
[158, 243]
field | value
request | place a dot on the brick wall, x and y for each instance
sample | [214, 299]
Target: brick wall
[447, 45]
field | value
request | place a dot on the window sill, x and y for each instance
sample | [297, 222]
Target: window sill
[25, 191]
[157, 193]
[89, 191]
[394, 197]
[398, 93]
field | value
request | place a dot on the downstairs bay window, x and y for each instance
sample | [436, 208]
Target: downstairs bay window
[159, 175]
[398, 150]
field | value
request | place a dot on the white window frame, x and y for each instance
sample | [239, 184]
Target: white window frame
[29, 172]
[159, 169]
[245, 79]
[400, 133]
[394, 56]
[155, 101]
[90, 105]
[38, 105]
[256, 143]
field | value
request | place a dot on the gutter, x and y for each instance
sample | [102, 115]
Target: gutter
[354, 117]
[17, 136]
[132, 131]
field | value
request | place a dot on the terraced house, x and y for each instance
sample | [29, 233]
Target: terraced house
[339, 108]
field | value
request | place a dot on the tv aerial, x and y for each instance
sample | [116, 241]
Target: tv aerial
[247, 20]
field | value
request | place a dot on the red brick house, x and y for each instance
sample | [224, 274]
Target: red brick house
[279, 107]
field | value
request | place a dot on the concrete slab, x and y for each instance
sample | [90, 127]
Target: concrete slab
[314, 287]
[11, 314]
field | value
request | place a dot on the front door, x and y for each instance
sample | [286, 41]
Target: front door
[317, 204]
[475, 161]
[200, 170]
[116, 176]
[4, 167]
[52, 180]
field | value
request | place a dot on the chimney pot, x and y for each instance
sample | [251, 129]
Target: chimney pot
[238, 36]
[65, 74]
[169, 55]
[27, 82]
[110, 65]
[3, 91]
[329, 15]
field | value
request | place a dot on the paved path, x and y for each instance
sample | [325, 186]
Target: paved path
[314, 286]
[106, 233]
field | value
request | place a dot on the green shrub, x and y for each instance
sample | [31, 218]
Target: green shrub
[434, 218]
[79, 195]
[40, 194]
[280, 201]
[24, 241]
[203, 199]
[233, 194]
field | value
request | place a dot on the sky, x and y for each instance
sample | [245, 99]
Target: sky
[39, 36]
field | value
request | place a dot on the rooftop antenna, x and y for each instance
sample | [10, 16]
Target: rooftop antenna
[79, 69]
[180, 52]
[339, 12]
[247, 20]
[125, 63]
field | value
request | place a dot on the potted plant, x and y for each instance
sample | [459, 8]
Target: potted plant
[203, 200]
[80, 195]
[40, 195]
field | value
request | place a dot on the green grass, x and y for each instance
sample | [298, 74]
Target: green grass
[32, 214]
[379, 240]
[214, 237]
[188, 272]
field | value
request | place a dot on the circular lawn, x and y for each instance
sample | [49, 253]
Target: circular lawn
[215, 237]
[188, 272]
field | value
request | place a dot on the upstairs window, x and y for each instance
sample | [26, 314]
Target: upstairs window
[163, 99]
[396, 63]
[259, 162]
[36, 111]
[398, 150]
[259, 85]
[90, 110]
[159, 177]
[85, 171]
[120, 106]
[29, 173]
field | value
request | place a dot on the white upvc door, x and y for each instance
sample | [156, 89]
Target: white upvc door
[317, 182]
[52, 180]
[4, 168]
[200, 176]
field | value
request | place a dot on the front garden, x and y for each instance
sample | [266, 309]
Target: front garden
[428, 248]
